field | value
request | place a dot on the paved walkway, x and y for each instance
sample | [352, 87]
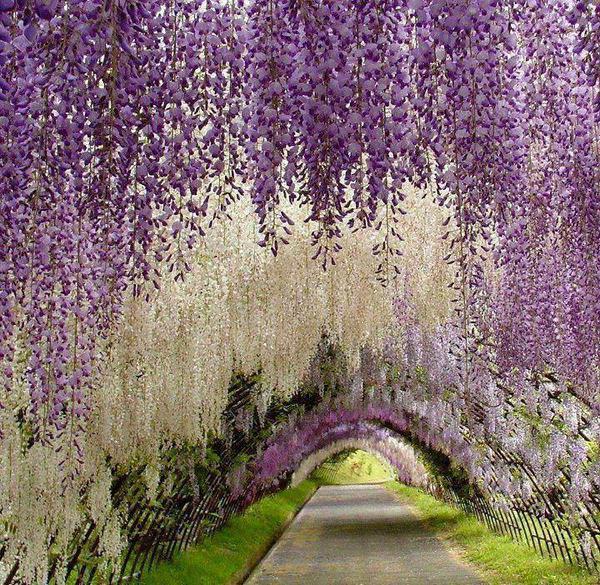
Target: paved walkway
[359, 535]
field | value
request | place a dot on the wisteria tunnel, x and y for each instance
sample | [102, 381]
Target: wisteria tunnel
[240, 239]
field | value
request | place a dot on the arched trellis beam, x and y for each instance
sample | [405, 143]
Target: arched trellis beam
[289, 446]
[411, 424]
[386, 445]
[318, 458]
[553, 504]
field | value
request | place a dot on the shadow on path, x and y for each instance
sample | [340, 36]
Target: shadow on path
[360, 535]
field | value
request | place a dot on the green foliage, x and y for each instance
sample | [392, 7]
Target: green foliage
[352, 467]
[593, 449]
[500, 560]
[440, 467]
[421, 375]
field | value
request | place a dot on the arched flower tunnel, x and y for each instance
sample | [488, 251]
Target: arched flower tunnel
[237, 236]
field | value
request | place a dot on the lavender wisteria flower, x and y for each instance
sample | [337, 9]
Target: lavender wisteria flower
[131, 131]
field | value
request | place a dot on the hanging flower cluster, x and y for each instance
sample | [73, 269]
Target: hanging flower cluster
[169, 363]
[545, 310]
[146, 146]
[129, 128]
[239, 311]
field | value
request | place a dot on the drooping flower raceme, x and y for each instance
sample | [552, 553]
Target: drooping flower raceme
[133, 133]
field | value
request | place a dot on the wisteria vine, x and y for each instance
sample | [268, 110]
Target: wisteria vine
[130, 131]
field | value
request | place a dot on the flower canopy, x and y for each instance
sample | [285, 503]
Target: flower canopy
[197, 190]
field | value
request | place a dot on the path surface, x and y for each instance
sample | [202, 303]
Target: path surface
[359, 535]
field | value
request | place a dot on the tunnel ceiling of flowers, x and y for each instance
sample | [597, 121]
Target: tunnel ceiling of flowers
[234, 233]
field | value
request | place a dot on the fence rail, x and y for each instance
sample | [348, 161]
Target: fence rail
[542, 534]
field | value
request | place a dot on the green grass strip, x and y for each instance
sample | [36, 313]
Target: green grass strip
[500, 560]
[227, 555]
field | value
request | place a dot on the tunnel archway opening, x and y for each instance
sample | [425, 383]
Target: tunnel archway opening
[345, 464]
[355, 466]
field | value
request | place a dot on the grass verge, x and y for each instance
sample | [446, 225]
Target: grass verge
[228, 555]
[500, 560]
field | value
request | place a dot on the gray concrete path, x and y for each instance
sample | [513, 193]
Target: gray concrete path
[360, 535]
